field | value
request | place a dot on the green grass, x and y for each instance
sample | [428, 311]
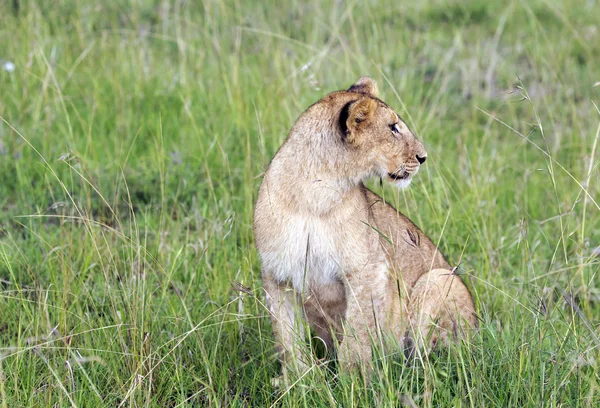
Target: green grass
[132, 142]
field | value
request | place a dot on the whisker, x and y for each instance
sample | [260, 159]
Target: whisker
[401, 167]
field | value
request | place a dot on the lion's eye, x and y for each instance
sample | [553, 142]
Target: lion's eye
[395, 128]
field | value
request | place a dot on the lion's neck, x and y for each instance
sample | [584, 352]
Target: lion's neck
[318, 176]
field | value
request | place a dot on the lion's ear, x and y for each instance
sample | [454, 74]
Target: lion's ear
[355, 115]
[365, 85]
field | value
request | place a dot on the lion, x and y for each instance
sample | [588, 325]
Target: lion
[335, 254]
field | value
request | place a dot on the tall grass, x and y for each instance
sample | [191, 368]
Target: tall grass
[133, 136]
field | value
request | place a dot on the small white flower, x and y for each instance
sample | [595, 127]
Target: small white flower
[306, 66]
[8, 66]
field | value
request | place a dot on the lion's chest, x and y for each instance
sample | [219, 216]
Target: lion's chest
[308, 251]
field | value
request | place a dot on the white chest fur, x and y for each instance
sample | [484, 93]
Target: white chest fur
[303, 251]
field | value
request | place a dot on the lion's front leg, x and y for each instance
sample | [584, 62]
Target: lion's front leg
[365, 314]
[288, 328]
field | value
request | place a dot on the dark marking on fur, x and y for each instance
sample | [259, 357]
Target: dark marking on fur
[414, 237]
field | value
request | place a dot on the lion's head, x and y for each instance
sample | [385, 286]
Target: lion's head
[384, 144]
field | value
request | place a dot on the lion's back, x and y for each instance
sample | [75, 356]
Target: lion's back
[408, 249]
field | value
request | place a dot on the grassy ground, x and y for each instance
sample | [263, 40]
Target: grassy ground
[132, 141]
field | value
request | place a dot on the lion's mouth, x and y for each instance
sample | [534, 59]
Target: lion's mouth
[399, 176]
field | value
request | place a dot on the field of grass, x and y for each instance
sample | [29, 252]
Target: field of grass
[133, 136]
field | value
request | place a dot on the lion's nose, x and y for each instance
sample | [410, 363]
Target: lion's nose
[421, 159]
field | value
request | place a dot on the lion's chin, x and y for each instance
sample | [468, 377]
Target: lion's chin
[402, 183]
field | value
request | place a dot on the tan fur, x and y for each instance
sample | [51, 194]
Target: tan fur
[334, 253]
